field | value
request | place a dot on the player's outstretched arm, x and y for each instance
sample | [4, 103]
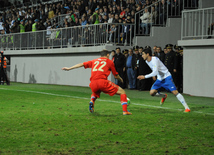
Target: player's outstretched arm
[73, 67]
[118, 78]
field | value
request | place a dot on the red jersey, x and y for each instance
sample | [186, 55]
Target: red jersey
[100, 68]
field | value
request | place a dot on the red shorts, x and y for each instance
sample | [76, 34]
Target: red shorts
[106, 86]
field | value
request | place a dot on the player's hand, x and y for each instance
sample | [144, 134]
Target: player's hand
[65, 68]
[141, 77]
[154, 78]
[174, 70]
[121, 80]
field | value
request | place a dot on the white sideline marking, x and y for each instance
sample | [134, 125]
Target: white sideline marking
[37, 92]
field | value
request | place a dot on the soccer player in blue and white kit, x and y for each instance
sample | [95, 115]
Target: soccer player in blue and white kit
[164, 78]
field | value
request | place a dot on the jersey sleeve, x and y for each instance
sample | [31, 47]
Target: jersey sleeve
[87, 64]
[112, 67]
[154, 69]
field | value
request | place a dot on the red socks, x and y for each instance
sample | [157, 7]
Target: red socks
[123, 100]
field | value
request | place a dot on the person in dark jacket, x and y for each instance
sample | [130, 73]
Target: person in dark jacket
[180, 70]
[137, 57]
[144, 69]
[119, 61]
[171, 60]
[160, 54]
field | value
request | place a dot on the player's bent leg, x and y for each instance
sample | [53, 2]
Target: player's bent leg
[182, 100]
[153, 92]
[120, 91]
[175, 92]
[123, 100]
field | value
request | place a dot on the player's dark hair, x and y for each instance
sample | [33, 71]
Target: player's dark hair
[104, 53]
[148, 50]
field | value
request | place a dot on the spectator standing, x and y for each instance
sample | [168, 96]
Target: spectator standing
[137, 59]
[154, 15]
[160, 54]
[144, 69]
[125, 32]
[162, 11]
[28, 27]
[95, 17]
[125, 80]
[171, 60]
[180, 70]
[22, 33]
[154, 50]
[15, 29]
[145, 18]
[113, 33]
[131, 65]
[34, 34]
[120, 65]
[138, 19]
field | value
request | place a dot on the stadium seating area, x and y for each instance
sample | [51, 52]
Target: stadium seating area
[80, 12]
[122, 20]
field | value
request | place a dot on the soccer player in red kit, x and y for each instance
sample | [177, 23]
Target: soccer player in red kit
[100, 70]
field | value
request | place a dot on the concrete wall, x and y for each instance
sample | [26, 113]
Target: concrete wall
[206, 3]
[161, 36]
[44, 66]
[198, 67]
[47, 69]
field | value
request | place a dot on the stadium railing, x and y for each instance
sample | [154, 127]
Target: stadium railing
[88, 35]
[197, 24]
[160, 11]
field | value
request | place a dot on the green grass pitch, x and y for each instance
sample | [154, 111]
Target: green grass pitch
[54, 119]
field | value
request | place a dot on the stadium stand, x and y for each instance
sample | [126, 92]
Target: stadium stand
[67, 17]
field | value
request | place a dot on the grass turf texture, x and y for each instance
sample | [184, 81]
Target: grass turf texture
[53, 119]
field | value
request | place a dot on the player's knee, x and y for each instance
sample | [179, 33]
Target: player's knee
[123, 91]
[152, 93]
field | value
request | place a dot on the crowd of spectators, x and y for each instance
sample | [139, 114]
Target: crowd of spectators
[120, 14]
[80, 12]
[129, 64]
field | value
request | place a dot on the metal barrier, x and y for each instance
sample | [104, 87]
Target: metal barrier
[197, 24]
[88, 35]
[157, 13]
